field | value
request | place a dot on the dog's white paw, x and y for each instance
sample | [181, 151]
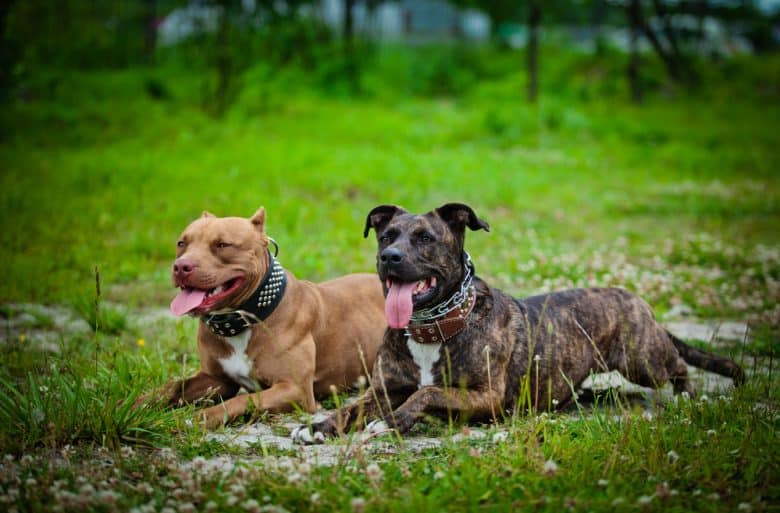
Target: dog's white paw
[302, 435]
[376, 427]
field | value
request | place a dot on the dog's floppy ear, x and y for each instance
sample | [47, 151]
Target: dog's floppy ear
[259, 219]
[458, 216]
[380, 216]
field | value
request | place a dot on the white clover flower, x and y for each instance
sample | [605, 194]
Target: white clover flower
[602, 483]
[550, 468]
[373, 472]
[714, 497]
[358, 504]
[711, 432]
[314, 498]
[672, 456]
[438, 475]
[745, 506]
[251, 505]
[644, 500]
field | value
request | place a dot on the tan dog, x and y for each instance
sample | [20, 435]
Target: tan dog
[285, 340]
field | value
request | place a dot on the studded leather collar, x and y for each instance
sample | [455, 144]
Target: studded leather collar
[445, 327]
[257, 308]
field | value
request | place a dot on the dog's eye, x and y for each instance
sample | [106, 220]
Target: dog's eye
[384, 238]
[223, 245]
[426, 238]
[180, 244]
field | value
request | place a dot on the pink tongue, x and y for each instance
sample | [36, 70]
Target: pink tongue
[187, 300]
[398, 304]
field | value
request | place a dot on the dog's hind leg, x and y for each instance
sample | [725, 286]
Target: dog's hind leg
[678, 375]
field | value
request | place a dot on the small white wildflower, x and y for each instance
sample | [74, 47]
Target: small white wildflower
[745, 506]
[358, 505]
[30, 482]
[644, 500]
[618, 501]
[314, 498]
[188, 422]
[210, 507]
[438, 475]
[555, 402]
[537, 358]
[373, 472]
[87, 489]
[550, 468]
[714, 497]
[704, 398]
[500, 436]
[672, 456]
[252, 506]
[696, 492]
[647, 416]
[711, 432]
[602, 483]
[294, 477]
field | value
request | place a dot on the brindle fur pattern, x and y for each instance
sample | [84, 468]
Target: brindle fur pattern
[513, 354]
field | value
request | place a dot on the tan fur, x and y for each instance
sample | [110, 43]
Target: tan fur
[320, 335]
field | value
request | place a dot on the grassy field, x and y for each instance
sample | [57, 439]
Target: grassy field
[676, 199]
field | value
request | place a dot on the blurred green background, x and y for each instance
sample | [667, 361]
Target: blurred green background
[583, 131]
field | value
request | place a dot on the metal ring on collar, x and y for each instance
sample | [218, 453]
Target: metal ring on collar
[276, 246]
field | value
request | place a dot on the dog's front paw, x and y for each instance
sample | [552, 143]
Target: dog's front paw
[377, 427]
[303, 435]
[315, 433]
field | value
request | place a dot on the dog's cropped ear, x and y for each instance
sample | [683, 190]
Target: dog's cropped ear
[458, 216]
[206, 213]
[380, 216]
[259, 219]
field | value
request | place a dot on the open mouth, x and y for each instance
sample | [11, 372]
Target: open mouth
[194, 300]
[401, 299]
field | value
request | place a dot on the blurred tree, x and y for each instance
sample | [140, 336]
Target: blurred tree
[532, 53]
[8, 53]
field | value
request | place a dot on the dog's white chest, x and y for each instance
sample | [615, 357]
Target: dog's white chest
[425, 357]
[237, 365]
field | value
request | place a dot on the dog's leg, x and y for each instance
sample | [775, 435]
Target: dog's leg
[678, 373]
[431, 399]
[196, 388]
[280, 398]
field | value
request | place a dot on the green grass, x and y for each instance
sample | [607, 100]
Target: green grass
[676, 199]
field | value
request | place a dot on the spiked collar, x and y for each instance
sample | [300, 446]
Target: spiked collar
[442, 322]
[257, 308]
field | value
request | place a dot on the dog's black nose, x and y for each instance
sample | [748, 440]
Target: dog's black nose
[391, 256]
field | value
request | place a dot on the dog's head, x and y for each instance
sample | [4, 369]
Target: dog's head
[420, 258]
[219, 262]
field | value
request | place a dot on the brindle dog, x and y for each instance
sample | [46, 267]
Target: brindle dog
[498, 353]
